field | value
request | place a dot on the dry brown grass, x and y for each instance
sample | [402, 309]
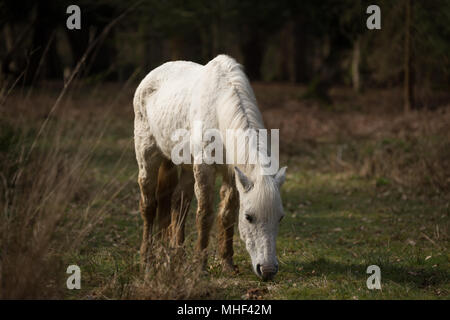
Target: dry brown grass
[52, 206]
[174, 274]
[41, 220]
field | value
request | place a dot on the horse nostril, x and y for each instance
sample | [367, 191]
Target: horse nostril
[258, 269]
[268, 272]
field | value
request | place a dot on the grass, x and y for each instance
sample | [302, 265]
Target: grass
[343, 224]
[372, 202]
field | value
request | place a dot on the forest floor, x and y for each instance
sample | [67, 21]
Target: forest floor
[366, 185]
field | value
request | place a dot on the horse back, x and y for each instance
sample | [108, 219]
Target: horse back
[162, 101]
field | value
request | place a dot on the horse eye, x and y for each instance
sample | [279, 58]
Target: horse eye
[249, 218]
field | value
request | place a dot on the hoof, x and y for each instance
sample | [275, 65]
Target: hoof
[230, 268]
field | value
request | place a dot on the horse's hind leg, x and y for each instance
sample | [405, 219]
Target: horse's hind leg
[167, 181]
[181, 201]
[227, 214]
[149, 160]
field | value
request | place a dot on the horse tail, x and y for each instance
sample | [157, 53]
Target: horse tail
[167, 181]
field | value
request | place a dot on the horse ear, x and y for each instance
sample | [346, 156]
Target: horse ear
[280, 176]
[243, 180]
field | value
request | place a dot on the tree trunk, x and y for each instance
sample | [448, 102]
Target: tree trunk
[9, 44]
[43, 57]
[302, 52]
[253, 53]
[408, 85]
[287, 59]
[356, 58]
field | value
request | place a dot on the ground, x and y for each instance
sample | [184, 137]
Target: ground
[346, 208]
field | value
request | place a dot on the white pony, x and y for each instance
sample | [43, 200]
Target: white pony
[174, 96]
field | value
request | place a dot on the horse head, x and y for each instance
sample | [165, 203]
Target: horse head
[260, 213]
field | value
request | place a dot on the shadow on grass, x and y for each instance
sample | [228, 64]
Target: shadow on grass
[420, 277]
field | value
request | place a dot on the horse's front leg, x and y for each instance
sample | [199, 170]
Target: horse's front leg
[228, 209]
[204, 176]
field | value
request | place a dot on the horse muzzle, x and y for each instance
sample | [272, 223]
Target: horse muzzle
[266, 272]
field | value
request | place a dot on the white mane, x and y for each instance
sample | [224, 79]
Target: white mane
[237, 109]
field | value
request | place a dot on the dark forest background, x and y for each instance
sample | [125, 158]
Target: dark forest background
[316, 43]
